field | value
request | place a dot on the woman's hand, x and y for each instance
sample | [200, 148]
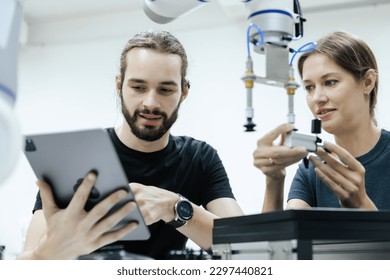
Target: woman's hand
[343, 174]
[272, 159]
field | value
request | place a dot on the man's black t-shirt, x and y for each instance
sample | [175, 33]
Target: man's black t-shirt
[186, 166]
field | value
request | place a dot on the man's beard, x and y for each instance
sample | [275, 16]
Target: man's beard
[148, 132]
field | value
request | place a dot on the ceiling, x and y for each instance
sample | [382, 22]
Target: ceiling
[49, 21]
[53, 10]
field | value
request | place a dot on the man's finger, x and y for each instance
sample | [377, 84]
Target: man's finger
[103, 207]
[82, 193]
[108, 223]
[48, 203]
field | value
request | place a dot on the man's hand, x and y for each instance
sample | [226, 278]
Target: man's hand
[72, 232]
[154, 203]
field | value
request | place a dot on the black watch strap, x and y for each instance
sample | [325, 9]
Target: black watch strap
[177, 223]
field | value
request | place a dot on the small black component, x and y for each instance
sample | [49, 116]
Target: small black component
[30, 146]
[316, 126]
[250, 126]
[306, 162]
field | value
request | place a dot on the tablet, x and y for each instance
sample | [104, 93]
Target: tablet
[63, 159]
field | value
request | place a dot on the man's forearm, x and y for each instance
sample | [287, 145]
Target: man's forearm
[200, 228]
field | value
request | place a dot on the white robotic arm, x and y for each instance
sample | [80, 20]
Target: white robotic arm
[272, 25]
[280, 20]
[10, 136]
[164, 11]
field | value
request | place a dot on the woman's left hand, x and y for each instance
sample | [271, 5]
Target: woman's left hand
[344, 175]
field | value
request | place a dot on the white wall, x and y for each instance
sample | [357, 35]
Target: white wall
[67, 82]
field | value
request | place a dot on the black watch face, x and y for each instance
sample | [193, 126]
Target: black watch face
[184, 210]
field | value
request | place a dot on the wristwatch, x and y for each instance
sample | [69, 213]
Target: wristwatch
[183, 212]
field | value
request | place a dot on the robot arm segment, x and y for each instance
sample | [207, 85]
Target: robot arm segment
[164, 11]
[10, 140]
[10, 16]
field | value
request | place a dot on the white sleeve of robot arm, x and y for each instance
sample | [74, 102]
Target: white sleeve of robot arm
[10, 17]
[10, 139]
[164, 11]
